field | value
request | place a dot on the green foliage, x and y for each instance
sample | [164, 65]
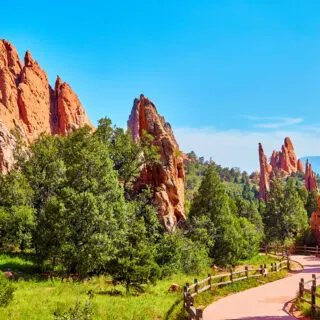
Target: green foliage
[179, 254]
[234, 190]
[127, 156]
[79, 205]
[285, 216]
[312, 202]
[16, 215]
[304, 194]
[212, 202]
[77, 312]
[249, 210]
[251, 238]
[134, 264]
[6, 290]
[234, 180]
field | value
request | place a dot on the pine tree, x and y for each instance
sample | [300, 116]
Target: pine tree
[211, 203]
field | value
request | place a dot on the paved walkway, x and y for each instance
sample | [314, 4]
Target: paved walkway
[267, 302]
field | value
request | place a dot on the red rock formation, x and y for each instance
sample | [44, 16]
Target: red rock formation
[300, 166]
[29, 104]
[167, 177]
[282, 164]
[265, 171]
[310, 179]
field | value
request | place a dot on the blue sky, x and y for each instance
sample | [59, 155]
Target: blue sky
[225, 74]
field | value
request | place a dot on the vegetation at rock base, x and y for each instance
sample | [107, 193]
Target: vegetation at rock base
[72, 210]
[39, 298]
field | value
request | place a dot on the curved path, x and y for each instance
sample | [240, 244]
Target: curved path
[267, 302]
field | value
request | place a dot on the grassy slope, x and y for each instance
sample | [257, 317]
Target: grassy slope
[36, 298]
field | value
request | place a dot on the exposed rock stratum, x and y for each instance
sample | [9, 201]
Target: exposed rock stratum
[166, 177]
[30, 106]
[282, 164]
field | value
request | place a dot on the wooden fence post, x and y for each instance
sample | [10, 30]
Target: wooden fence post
[288, 261]
[305, 249]
[265, 270]
[231, 275]
[185, 292]
[247, 271]
[209, 281]
[313, 296]
[196, 288]
[199, 315]
[314, 280]
[272, 267]
[301, 287]
[261, 269]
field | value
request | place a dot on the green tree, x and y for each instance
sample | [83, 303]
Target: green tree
[285, 216]
[134, 264]
[128, 156]
[16, 214]
[249, 210]
[312, 202]
[303, 193]
[212, 202]
[78, 201]
[251, 238]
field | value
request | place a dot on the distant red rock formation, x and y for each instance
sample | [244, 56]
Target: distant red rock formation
[310, 179]
[167, 177]
[265, 171]
[282, 164]
[29, 105]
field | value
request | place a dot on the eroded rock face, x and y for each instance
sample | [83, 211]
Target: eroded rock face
[265, 171]
[29, 104]
[166, 178]
[310, 179]
[282, 164]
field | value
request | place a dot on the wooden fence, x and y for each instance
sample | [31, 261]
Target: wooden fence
[311, 292]
[190, 291]
[285, 250]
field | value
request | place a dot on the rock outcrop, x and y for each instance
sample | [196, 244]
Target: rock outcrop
[166, 177]
[310, 179]
[265, 171]
[29, 105]
[282, 164]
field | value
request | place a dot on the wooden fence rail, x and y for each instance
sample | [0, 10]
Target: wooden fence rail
[190, 291]
[312, 292]
[285, 250]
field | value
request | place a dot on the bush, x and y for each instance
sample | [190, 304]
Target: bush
[6, 291]
[176, 253]
[77, 312]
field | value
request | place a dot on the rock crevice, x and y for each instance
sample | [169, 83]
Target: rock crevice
[167, 177]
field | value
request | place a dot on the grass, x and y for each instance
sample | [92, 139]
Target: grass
[305, 308]
[37, 298]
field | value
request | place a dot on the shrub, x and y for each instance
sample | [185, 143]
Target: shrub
[77, 312]
[6, 290]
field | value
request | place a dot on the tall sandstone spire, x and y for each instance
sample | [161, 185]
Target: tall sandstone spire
[29, 105]
[282, 164]
[310, 179]
[166, 177]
